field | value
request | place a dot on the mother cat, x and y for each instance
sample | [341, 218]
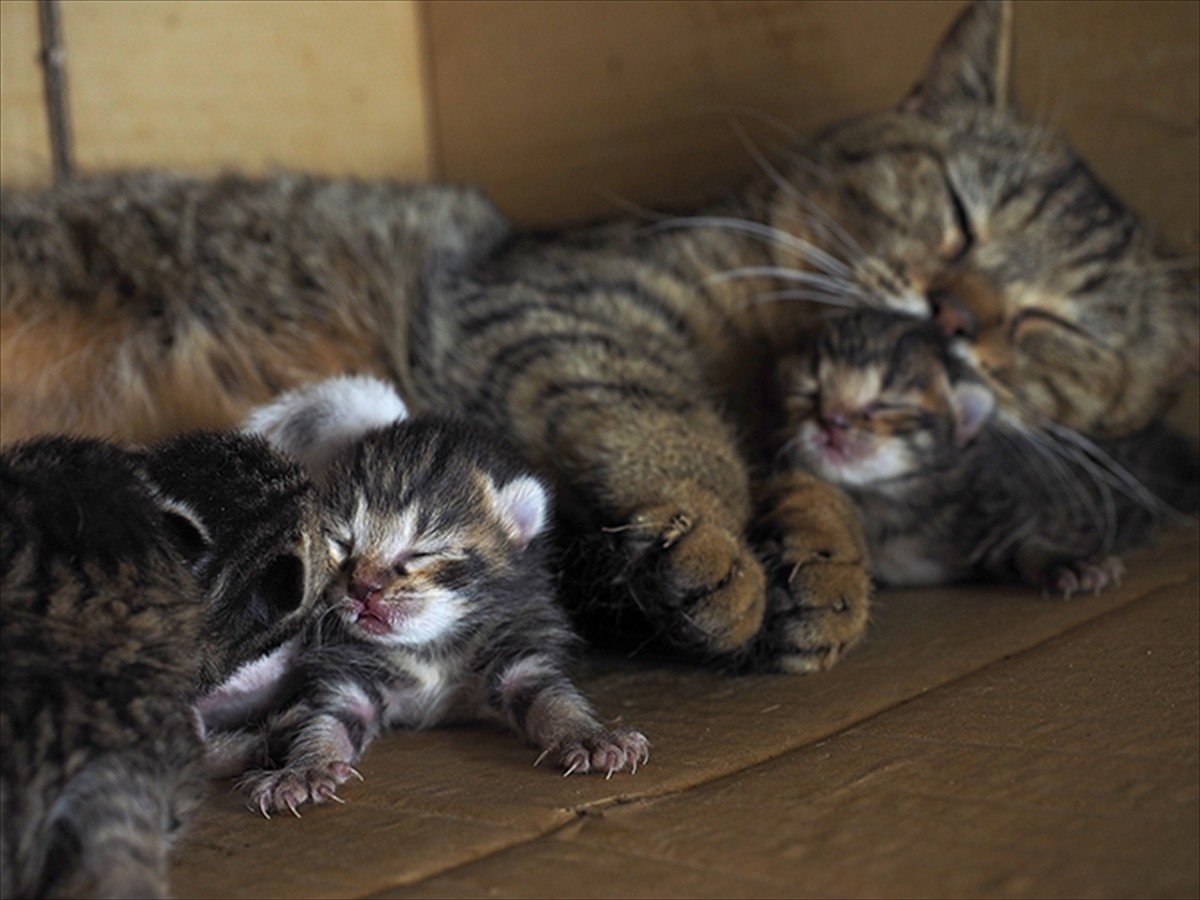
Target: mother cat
[630, 360]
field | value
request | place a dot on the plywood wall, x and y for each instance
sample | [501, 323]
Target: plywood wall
[568, 109]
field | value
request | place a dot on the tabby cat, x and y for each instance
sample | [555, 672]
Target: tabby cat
[629, 360]
[883, 406]
[444, 605]
[133, 583]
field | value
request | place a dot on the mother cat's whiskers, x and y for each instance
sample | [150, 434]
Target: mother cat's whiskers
[835, 291]
[805, 250]
[827, 223]
[1112, 471]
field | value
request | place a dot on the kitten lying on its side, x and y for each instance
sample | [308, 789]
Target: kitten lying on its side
[132, 583]
[883, 406]
[444, 605]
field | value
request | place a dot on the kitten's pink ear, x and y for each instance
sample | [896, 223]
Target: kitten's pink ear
[972, 65]
[973, 406]
[522, 507]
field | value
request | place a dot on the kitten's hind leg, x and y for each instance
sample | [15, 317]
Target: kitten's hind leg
[819, 592]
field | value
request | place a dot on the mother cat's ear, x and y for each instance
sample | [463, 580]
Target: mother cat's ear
[972, 66]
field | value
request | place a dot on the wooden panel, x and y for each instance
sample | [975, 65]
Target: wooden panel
[325, 86]
[555, 107]
[24, 134]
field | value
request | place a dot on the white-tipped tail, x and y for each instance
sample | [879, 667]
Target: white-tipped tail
[314, 422]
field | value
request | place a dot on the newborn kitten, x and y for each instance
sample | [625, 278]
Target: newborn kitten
[443, 608]
[883, 407]
[132, 581]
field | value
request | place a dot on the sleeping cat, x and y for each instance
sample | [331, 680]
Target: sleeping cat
[883, 406]
[130, 588]
[630, 359]
[444, 605]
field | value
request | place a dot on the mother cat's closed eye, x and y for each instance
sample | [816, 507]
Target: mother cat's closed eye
[630, 360]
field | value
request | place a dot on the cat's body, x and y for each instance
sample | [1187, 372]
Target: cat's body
[883, 407]
[631, 360]
[444, 607]
[125, 599]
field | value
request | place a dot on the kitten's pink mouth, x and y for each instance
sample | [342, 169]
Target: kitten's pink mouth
[377, 617]
[373, 622]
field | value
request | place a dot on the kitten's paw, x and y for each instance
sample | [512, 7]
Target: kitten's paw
[1068, 579]
[700, 583]
[819, 595]
[606, 751]
[288, 789]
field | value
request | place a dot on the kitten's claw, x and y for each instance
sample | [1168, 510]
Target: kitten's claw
[1069, 578]
[288, 789]
[606, 751]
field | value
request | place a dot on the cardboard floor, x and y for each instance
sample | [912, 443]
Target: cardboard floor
[984, 741]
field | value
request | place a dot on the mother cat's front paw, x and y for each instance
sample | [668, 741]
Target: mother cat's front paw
[816, 611]
[699, 583]
[819, 589]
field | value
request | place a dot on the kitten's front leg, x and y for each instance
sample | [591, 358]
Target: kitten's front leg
[537, 698]
[819, 591]
[318, 744]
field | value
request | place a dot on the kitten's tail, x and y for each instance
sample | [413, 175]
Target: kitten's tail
[314, 422]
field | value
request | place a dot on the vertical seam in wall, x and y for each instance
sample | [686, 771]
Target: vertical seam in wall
[53, 57]
[429, 95]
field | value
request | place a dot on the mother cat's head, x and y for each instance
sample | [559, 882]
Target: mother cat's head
[952, 206]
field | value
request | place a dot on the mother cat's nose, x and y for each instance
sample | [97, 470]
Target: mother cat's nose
[953, 316]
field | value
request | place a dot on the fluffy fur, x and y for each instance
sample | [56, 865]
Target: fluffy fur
[444, 606]
[629, 360]
[884, 407]
[133, 583]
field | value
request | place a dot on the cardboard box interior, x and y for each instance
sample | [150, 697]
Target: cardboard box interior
[984, 741]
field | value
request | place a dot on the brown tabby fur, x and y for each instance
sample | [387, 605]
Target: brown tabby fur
[629, 360]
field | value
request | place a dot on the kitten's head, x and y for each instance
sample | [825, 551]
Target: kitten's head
[952, 207]
[873, 398]
[431, 522]
[246, 519]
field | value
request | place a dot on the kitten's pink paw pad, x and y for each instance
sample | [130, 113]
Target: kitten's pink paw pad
[607, 753]
[1068, 579]
[288, 789]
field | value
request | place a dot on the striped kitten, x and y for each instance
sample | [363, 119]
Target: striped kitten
[132, 583]
[629, 360]
[444, 605]
[886, 408]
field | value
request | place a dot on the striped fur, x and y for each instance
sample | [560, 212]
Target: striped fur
[444, 607]
[632, 361]
[883, 406]
[127, 592]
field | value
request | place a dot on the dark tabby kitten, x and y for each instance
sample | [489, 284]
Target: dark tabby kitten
[132, 583]
[444, 606]
[629, 360]
[886, 408]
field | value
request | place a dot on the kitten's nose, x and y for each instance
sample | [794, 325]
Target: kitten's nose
[365, 591]
[835, 419]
